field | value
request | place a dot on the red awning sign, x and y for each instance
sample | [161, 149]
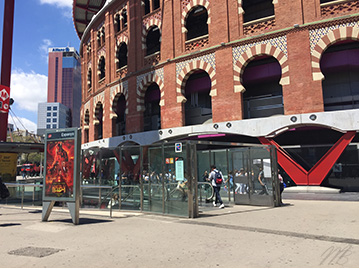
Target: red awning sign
[4, 99]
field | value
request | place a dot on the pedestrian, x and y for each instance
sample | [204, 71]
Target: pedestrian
[216, 178]
[262, 182]
[281, 187]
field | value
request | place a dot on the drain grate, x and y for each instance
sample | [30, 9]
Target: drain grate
[34, 252]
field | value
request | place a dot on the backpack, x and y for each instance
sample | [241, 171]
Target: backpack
[218, 177]
[4, 192]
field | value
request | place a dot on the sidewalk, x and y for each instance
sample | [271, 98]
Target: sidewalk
[301, 234]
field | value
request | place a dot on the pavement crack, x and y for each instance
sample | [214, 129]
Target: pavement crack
[333, 239]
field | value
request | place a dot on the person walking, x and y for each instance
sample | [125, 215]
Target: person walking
[216, 178]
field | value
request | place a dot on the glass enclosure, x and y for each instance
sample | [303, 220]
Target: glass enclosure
[166, 178]
[172, 178]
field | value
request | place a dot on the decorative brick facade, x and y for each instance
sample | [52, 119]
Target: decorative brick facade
[296, 36]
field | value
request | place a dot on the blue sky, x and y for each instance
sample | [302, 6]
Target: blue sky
[38, 25]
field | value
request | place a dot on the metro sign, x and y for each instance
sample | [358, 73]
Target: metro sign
[4, 99]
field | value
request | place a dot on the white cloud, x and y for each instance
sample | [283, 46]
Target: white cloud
[23, 124]
[44, 48]
[65, 5]
[28, 89]
[58, 3]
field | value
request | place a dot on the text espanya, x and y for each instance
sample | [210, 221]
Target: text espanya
[67, 134]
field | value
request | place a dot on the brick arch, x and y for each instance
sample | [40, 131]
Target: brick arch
[99, 99]
[188, 70]
[115, 95]
[260, 49]
[141, 90]
[332, 37]
[189, 6]
[147, 26]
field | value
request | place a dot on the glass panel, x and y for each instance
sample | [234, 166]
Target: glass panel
[153, 180]
[130, 187]
[261, 177]
[176, 187]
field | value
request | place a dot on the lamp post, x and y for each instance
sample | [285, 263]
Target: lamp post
[6, 66]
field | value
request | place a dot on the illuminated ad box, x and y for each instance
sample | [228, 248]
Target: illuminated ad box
[62, 156]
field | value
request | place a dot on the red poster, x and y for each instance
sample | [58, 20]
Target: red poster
[59, 181]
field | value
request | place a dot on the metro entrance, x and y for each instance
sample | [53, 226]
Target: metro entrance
[169, 177]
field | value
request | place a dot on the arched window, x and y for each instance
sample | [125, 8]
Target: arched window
[152, 114]
[87, 123]
[89, 78]
[98, 121]
[124, 18]
[196, 22]
[198, 107]
[119, 122]
[257, 9]
[102, 68]
[121, 56]
[263, 96]
[340, 66]
[153, 40]
[117, 23]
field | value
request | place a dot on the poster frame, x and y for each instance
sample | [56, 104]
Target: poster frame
[59, 135]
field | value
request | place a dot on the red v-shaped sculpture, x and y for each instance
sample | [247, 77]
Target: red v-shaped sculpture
[316, 175]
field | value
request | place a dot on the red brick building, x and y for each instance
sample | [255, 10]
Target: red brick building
[283, 72]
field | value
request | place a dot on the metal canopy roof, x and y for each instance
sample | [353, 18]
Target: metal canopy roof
[83, 11]
[15, 147]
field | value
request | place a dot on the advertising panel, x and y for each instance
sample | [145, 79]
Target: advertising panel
[8, 165]
[61, 165]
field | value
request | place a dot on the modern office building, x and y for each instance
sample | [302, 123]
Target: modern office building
[276, 72]
[64, 81]
[52, 116]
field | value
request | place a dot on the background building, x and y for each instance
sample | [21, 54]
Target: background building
[282, 72]
[52, 116]
[64, 81]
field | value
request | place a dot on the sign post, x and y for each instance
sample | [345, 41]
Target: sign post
[62, 171]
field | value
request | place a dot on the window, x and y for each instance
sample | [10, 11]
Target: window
[54, 120]
[152, 113]
[198, 107]
[121, 56]
[117, 23]
[263, 96]
[124, 18]
[55, 108]
[101, 68]
[48, 114]
[257, 9]
[48, 120]
[147, 6]
[89, 78]
[196, 23]
[54, 114]
[153, 40]
[49, 108]
[340, 67]
[156, 4]
[151, 5]
[54, 126]
[48, 126]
